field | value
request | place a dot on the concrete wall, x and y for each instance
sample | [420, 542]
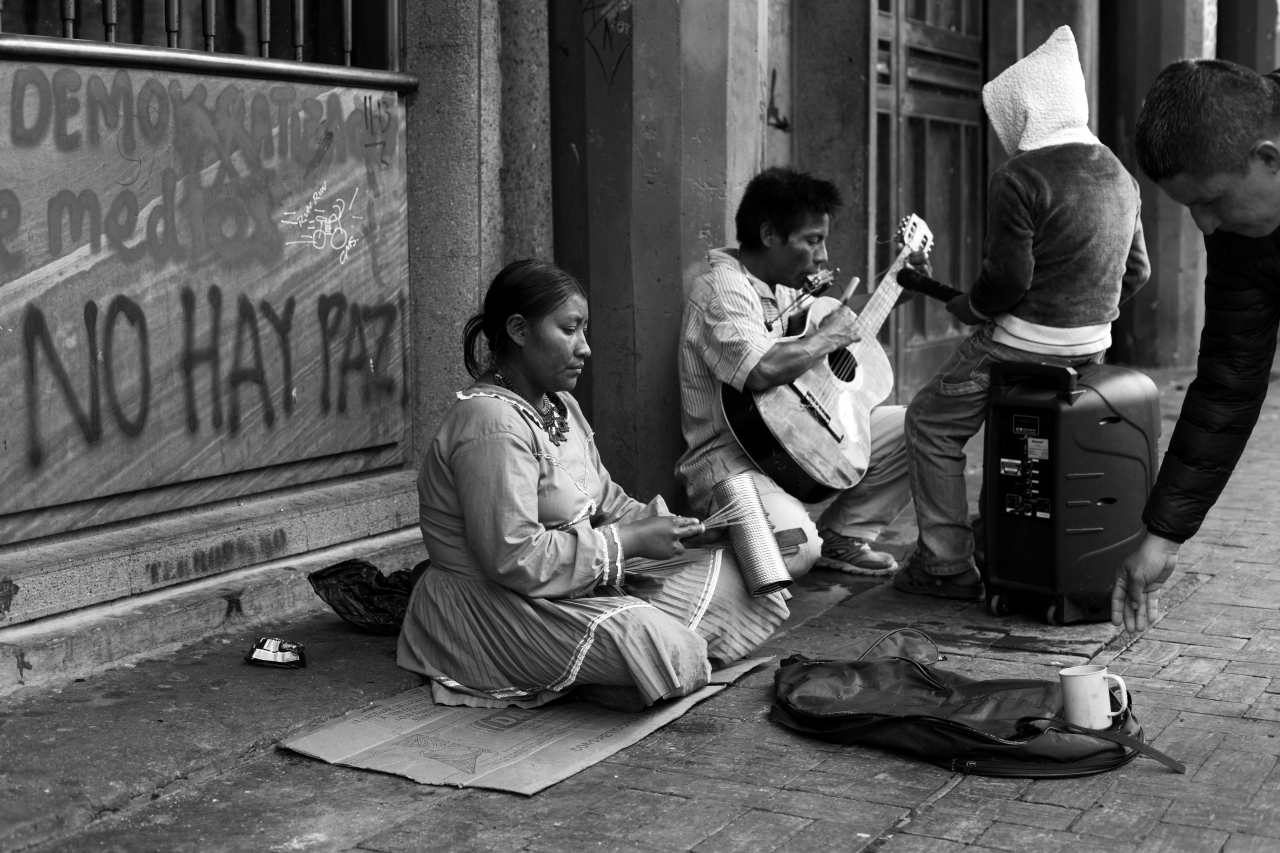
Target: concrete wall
[659, 110]
[455, 157]
[1160, 327]
[525, 175]
[832, 117]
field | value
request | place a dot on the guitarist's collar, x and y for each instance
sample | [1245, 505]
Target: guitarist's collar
[763, 288]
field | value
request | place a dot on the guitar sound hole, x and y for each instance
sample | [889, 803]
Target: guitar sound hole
[843, 365]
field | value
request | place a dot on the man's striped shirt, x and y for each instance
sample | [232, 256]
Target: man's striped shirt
[730, 322]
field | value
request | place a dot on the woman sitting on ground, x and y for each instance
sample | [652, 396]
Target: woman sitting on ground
[542, 576]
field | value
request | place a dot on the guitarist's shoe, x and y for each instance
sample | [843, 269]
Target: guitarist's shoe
[919, 582]
[853, 555]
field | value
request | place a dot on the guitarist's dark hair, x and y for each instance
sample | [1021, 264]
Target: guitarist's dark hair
[531, 288]
[786, 198]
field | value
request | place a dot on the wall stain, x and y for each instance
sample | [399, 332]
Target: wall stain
[228, 554]
[21, 658]
[8, 592]
[234, 607]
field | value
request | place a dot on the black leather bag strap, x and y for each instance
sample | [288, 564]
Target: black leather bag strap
[1121, 739]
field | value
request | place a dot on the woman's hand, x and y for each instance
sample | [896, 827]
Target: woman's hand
[657, 538]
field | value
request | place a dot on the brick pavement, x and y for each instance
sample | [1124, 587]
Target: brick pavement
[1205, 682]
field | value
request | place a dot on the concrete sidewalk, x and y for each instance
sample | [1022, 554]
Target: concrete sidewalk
[182, 757]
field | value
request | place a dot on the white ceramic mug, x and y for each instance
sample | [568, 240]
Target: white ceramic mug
[1086, 698]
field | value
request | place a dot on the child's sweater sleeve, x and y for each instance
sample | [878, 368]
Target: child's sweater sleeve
[1007, 263]
[1137, 268]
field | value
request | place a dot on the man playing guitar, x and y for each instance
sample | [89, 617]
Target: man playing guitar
[731, 332]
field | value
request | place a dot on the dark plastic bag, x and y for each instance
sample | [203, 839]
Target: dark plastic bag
[365, 597]
[893, 697]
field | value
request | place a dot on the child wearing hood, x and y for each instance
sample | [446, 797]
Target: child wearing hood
[1063, 249]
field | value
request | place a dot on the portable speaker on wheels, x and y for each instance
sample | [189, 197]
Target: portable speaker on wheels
[1070, 456]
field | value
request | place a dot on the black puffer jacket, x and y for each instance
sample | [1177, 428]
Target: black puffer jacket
[1237, 346]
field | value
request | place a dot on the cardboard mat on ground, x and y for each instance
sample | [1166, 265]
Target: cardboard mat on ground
[508, 749]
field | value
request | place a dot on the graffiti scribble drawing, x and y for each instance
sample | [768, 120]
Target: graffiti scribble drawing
[321, 226]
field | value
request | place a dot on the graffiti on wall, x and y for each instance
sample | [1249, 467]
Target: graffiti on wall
[197, 277]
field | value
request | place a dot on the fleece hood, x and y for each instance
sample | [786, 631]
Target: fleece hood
[1040, 100]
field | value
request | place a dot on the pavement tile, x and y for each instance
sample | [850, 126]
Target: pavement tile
[1161, 634]
[805, 751]
[1194, 610]
[991, 786]
[1268, 795]
[1147, 684]
[1156, 720]
[1038, 815]
[1212, 707]
[1235, 688]
[887, 793]
[1168, 838]
[855, 815]
[923, 844]
[1266, 640]
[825, 836]
[1234, 726]
[1136, 670]
[1261, 670]
[1190, 745]
[988, 666]
[947, 825]
[1119, 824]
[1266, 708]
[1193, 670]
[1239, 842]
[448, 829]
[1150, 779]
[1071, 793]
[559, 839]
[772, 774]
[754, 832]
[1230, 768]
[624, 813]
[686, 826]
[1241, 622]
[1151, 651]
[1172, 623]
[739, 703]
[1234, 816]
[1246, 589]
[875, 765]
[696, 787]
[1027, 839]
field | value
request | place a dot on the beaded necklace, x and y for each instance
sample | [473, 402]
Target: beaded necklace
[551, 410]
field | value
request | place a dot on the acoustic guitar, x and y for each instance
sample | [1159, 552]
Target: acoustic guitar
[813, 434]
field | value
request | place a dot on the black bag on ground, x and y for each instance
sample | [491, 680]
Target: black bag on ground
[365, 597]
[893, 697]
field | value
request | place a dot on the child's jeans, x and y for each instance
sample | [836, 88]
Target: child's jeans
[944, 415]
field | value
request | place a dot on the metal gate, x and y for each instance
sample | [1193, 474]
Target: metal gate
[929, 160]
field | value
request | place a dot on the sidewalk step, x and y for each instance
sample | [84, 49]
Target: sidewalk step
[60, 649]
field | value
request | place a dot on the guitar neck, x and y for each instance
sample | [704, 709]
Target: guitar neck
[882, 301]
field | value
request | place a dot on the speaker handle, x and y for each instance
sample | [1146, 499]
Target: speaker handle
[1004, 373]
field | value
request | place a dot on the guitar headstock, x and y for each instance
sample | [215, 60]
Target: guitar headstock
[914, 234]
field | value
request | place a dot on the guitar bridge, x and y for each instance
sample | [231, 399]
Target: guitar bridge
[819, 412]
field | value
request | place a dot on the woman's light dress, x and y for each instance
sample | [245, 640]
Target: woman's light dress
[525, 597]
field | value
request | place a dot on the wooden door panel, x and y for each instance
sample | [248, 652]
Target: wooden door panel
[929, 137]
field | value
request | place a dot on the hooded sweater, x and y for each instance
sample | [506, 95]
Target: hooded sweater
[1064, 243]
